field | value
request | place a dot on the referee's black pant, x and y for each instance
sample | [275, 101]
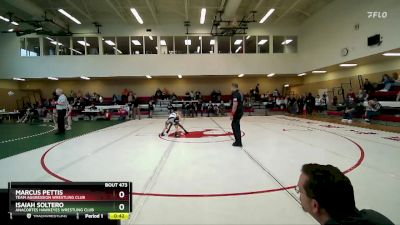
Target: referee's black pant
[236, 128]
[61, 120]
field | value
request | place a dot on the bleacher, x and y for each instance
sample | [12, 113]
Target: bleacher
[390, 111]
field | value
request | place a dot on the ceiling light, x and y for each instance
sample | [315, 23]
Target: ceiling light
[271, 75]
[10, 30]
[241, 75]
[15, 23]
[200, 38]
[188, 42]
[116, 49]
[198, 49]
[136, 42]
[20, 79]
[5, 19]
[286, 85]
[137, 16]
[319, 71]
[287, 41]
[84, 43]
[267, 15]
[148, 76]
[80, 53]
[301, 74]
[347, 64]
[162, 42]
[263, 41]
[238, 49]
[202, 15]
[237, 42]
[151, 37]
[180, 76]
[109, 42]
[212, 42]
[248, 37]
[69, 16]
[85, 78]
[52, 78]
[50, 39]
[56, 43]
[391, 54]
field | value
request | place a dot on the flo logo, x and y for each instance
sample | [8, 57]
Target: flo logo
[377, 15]
[201, 136]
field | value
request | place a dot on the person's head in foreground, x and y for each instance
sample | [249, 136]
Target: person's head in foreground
[328, 196]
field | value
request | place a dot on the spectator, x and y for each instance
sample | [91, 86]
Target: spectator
[310, 103]
[174, 97]
[68, 126]
[151, 108]
[122, 113]
[114, 99]
[107, 115]
[368, 87]
[158, 93]
[300, 103]
[136, 109]
[276, 93]
[198, 95]
[130, 103]
[362, 96]
[328, 196]
[221, 108]
[373, 109]
[61, 106]
[210, 108]
[349, 110]
[191, 94]
[318, 102]
[387, 82]
[352, 94]
[257, 92]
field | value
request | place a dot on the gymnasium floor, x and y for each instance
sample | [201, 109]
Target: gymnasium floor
[202, 179]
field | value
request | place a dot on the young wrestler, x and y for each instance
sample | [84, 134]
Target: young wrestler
[173, 119]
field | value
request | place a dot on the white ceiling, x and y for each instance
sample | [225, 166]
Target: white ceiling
[167, 11]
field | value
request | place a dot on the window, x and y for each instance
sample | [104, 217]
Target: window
[181, 45]
[224, 44]
[150, 45]
[32, 47]
[166, 45]
[263, 44]
[136, 45]
[208, 44]
[250, 45]
[290, 45]
[195, 45]
[278, 44]
[122, 46]
[64, 45]
[22, 47]
[78, 46]
[237, 44]
[93, 45]
[49, 45]
[109, 45]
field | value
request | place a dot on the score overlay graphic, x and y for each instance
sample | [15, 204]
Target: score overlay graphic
[96, 200]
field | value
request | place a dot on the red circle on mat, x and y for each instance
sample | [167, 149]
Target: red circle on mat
[357, 164]
[196, 136]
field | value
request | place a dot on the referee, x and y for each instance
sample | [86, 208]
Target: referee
[236, 115]
[61, 106]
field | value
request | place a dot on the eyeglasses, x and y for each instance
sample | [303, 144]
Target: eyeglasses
[297, 189]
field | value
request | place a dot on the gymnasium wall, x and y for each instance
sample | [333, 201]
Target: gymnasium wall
[146, 87]
[6, 101]
[373, 72]
[327, 32]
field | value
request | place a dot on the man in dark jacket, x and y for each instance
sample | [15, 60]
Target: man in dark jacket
[328, 196]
